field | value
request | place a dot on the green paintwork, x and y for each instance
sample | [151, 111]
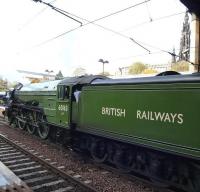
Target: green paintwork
[180, 137]
[62, 113]
[56, 98]
[55, 110]
[161, 116]
[47, 101]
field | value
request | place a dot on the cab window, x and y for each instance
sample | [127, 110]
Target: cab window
[63, 92]
[60, 95]
[66, 92]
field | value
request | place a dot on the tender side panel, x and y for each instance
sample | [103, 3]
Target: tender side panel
[47, 100]
[165, 117]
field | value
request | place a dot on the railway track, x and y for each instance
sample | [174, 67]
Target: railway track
[37, 173]
[108, 168]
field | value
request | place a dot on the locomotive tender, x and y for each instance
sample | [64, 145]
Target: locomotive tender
[149, 126]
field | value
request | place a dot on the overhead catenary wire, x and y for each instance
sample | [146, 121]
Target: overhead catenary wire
[144, 54]
[148, 11]
[117, 12]
[156, 52]
[173, 54]
[30, 20]
[61, 11]
[138, 55]
[153, 20]
[139, 43]
[168, 52]
[93, 22]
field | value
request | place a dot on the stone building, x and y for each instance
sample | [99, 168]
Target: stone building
[184, 53]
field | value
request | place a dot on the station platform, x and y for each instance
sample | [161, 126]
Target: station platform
[9, 182]
[2, 108]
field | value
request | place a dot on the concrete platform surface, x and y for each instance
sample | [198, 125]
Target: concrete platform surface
[10, 182]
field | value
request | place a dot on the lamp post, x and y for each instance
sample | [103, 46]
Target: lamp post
[48, 71]
[103, 62]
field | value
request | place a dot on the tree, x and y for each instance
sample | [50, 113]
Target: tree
[3, 84]
[12, 84]
[150, 71]
[106, 73]
[180, 66]
[59, 75]
[137, 68]
[79, 71]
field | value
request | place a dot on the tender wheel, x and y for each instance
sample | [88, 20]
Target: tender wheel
[98, 151]
[123, 159]
[193, 184]
[43, 129]
[141, 164]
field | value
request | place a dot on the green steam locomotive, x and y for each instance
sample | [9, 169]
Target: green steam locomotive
[147, 126]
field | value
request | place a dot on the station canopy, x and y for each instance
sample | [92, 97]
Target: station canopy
[193, 6]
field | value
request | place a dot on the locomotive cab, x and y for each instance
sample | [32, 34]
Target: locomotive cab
[63, 104]
[68, 99]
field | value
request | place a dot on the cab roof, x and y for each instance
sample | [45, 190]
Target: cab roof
[81, 80]
[52, 85]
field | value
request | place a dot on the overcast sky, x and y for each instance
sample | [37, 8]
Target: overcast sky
[26, 25]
